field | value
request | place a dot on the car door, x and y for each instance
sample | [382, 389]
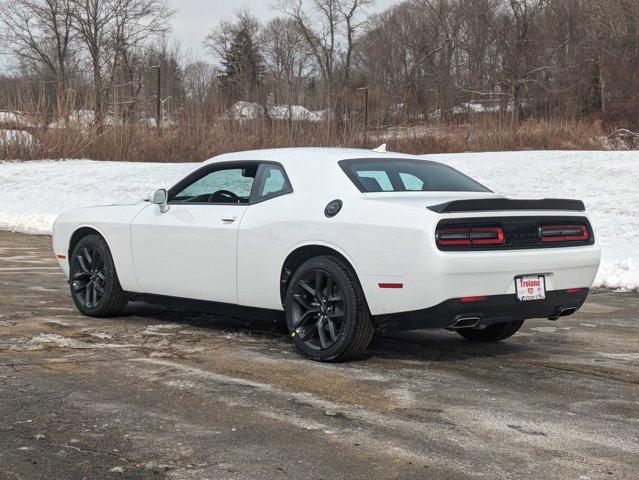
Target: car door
[190, 250]
[264, 237]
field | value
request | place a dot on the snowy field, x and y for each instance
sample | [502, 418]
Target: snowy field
[33, 193]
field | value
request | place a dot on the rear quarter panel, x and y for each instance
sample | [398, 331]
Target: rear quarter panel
[377, 238]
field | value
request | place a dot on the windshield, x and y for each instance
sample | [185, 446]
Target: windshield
[400, 175]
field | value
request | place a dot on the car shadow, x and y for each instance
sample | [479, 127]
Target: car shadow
[438, 346]
[206, 320]
[417, 345]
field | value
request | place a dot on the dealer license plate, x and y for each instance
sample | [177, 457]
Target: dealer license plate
[530, 287]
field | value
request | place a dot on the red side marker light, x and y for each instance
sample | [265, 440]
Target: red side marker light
[390, 285]
[472, 299]
[62, 257]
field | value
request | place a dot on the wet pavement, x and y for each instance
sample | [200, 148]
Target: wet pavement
[161, 394]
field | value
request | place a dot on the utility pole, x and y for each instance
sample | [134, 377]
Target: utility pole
[158, 100]
[365, 106]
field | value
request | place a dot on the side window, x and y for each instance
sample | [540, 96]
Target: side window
[226, 185]
[272, 182]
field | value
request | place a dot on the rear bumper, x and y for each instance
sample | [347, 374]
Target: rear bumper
[436, 276]
[494, 309]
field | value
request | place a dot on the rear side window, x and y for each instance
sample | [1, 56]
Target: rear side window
[400, 175]
[271, 182]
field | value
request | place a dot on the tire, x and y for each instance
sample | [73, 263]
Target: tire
[492, 333]
[346, 324]
[91, 269]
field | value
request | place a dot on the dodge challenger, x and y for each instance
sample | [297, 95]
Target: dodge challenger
[342, 243]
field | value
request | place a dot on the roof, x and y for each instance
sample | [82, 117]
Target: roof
[313, 168]
[306, 154]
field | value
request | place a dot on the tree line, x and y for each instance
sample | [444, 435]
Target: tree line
[418, 60]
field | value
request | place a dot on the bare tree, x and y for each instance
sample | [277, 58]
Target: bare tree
[235, 42]
[478, 42]
[613, 26]
[134, 23]
[329, 28]
[518, 41]
[449, 17]
[199, 78]
[287, 60]
[320, 33]
[111, 28]
[352, 13]
[92, 19]
[39, 34]
[539, 58]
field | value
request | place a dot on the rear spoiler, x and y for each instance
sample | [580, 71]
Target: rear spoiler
[493, 204]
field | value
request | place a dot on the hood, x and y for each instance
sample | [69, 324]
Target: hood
[127, 203]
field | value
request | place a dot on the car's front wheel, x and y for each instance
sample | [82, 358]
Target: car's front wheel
[326, 311]
[94, 283]
[492, 333]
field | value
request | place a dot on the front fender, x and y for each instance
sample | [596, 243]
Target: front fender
[113, 223]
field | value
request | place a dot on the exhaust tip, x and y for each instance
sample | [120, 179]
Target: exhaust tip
[466, 322]
[563, 312]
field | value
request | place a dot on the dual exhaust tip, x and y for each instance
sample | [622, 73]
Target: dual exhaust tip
[471, 322]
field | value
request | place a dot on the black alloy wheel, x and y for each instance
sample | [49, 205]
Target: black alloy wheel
[318, 312]
[88, 281]
[326, 311]
[94, 283]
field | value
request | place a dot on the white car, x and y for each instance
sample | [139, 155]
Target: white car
[342, 242]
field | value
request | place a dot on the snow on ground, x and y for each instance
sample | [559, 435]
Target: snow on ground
[15, 119]
[607, 182]
[20, 137]
[34, 193]
[243, 111]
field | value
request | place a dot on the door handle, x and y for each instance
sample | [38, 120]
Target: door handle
[229, 219]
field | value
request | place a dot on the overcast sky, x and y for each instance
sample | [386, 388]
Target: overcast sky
[194, 19]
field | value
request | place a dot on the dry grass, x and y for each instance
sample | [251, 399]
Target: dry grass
[197, 142]
[491, 135]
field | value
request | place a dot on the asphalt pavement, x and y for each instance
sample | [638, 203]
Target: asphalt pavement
[183, 395]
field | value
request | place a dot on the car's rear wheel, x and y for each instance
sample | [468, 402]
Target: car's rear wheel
[95, 287]
[492, 333]
[326, 312]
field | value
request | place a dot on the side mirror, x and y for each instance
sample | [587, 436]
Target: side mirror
[160, 197]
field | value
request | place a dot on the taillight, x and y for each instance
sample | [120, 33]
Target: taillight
[564, 233]
[454, 236]
[501, 233]
[487, 236]
[471, 236]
